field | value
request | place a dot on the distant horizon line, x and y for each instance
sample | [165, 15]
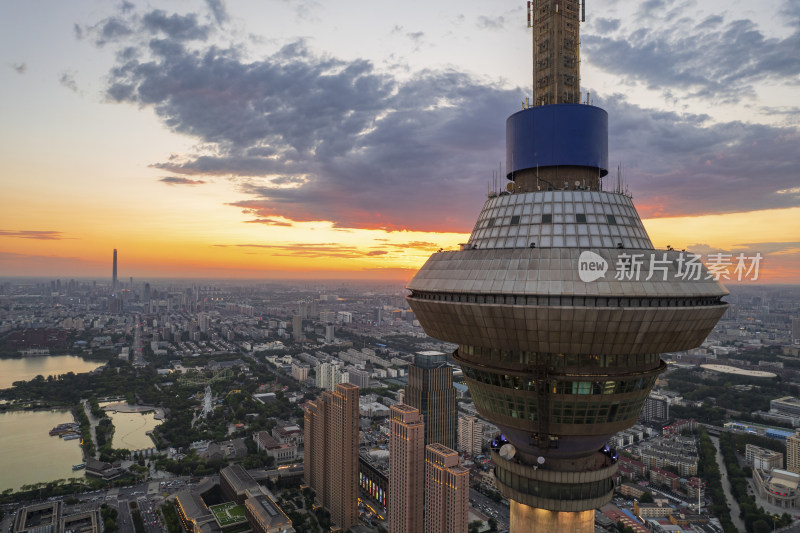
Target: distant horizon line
[309, 280]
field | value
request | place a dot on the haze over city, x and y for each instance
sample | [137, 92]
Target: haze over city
[351, 140]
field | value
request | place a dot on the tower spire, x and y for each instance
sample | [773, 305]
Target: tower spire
[556, 50]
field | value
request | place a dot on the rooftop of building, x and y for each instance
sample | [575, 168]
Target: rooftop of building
[267, 511]
[238, 478]
[725, 369]
[193, 506]
[788, 399]
[441, 449]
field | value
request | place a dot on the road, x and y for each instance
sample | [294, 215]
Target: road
[500, 512]
[726, 488]
[93, 423]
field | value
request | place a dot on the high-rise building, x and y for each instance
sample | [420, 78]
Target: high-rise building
[470, 435]
[329, 334]
[762, 458]
[656, 408]
[331, 446]
[793, 452]
[559, 303]
[329, 375]
[406, 469]
[203, 322]
[114, 274]
[430, 389]
[446, 491]
[300, 371]
[359, 378]
[297, 328]
[795, 329]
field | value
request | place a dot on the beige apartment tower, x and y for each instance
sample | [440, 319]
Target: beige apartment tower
[331, 444]
[446, 491]
[470, 435]
[430, 389]
[793, 452]
[406, 469]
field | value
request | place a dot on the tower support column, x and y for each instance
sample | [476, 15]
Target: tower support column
[525, 519]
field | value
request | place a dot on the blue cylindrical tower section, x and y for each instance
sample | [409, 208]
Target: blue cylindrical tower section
[557, 135]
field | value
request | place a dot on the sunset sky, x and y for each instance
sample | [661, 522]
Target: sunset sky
[351, 139]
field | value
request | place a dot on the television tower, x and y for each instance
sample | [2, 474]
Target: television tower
[559, 303]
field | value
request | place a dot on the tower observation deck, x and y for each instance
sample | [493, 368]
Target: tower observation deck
[559, 303]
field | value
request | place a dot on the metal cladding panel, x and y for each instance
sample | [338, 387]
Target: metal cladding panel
[557, 135]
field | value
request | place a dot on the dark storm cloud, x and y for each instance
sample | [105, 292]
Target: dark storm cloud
[605, 25]
[67, 80]
[217, 8]
[178, 27]
[357, 143]
[172, 180]
[684, 165]
[491, 23]
[130, 25]
[109, 30]
[711, 59]
[415, 36]
[309, 137]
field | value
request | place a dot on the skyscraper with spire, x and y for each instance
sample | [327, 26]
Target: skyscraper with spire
[559, 303]
[114, 274]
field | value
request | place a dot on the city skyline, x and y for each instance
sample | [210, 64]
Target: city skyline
[226, 173]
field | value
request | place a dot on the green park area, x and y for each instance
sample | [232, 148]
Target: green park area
[228, 514]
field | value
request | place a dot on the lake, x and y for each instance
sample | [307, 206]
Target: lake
[27, 368]
[29, 455]
[130, 428]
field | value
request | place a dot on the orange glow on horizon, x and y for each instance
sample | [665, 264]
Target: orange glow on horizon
[286, 249]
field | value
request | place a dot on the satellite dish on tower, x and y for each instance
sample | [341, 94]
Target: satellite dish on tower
[508, 451]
